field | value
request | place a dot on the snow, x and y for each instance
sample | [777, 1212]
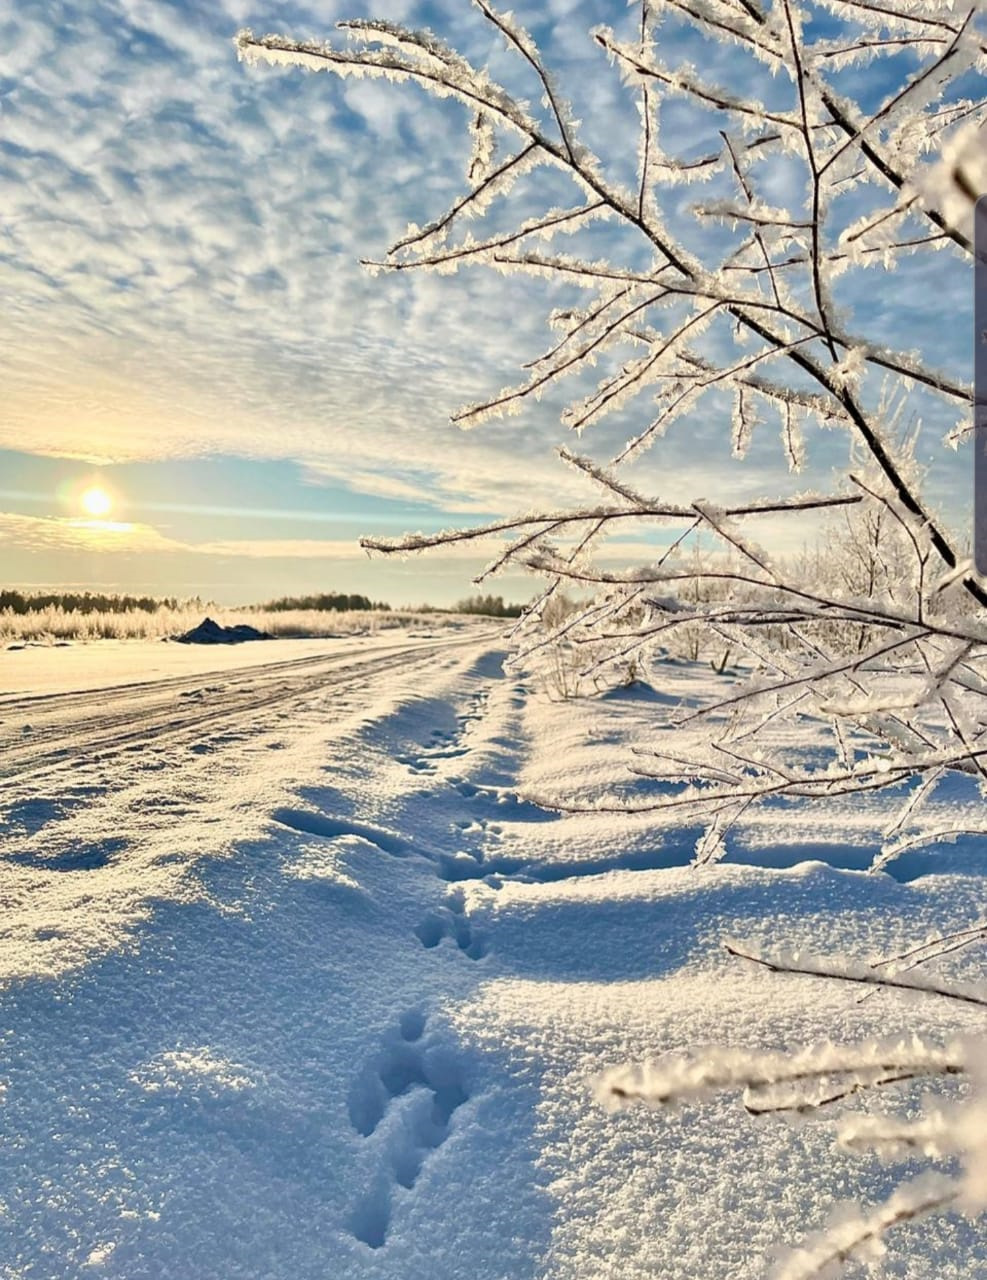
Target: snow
[45, 669]
[309, 987]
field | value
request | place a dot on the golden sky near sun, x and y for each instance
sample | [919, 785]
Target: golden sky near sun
[96, 502]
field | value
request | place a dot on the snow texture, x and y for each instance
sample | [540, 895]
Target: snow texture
[331, 999]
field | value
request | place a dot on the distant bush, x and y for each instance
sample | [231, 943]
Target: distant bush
[332, 601]
[490, 606]
[46, 626]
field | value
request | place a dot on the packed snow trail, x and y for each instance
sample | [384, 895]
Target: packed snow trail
[317, 995]
[112, 796]
[39, 731]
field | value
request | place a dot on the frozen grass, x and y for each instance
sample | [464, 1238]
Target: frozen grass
[54, 623]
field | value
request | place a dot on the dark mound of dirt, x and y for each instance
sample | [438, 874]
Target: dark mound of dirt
[209, 632]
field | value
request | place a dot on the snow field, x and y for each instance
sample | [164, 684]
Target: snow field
[335, 1004]
[110, 663]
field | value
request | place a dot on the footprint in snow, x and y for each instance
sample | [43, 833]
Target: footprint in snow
[404, 1098]
[452, 921]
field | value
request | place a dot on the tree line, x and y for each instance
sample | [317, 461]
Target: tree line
[82, 602]
[325, 602]
[88, 602]
[489, 606]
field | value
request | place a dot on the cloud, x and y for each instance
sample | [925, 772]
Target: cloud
[370, 482]
[37, 533]
[180, 254]
[41, 533]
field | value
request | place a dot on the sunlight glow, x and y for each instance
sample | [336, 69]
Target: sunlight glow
[96, 502]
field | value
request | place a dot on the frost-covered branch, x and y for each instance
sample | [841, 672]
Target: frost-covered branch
[678, 1077]
[818, 1076]
[560, 518]
[877, 637]
[867, 975]
[815, 115]
[854, 1233]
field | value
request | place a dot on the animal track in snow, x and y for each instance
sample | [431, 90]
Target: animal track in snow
[409, 1092]
[452, 921]
[445, 745]
[503, 804]
[319, 824]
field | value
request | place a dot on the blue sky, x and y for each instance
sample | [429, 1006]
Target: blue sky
[187, 324]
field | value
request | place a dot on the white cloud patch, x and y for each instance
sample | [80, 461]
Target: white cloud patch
[37, 533]
[179, 250]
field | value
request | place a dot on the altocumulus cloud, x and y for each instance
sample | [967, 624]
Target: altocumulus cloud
[181, 243]
[182, 252]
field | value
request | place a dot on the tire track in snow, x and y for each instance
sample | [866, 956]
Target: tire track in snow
[165, 711]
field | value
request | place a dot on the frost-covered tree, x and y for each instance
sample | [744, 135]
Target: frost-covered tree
[867, 112]
[752, 314]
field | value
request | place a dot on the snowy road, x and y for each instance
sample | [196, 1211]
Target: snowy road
[41, 733]
[111, 795]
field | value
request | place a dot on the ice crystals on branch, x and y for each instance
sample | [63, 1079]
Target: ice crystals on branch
[881, 634]
[858, 1234]
[805, 1079]
[408, 55]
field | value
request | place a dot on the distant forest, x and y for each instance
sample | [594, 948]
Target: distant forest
[83, 602]
[489, 606]
[89, 602]
[332, 601]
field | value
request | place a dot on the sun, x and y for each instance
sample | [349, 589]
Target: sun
[96, 502]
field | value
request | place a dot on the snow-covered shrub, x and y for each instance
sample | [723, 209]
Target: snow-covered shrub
[734, 312]
[54, 623]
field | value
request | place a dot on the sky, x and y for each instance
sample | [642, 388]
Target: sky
[188, 329]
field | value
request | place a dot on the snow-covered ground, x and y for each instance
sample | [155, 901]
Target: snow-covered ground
[297, 983]
[69, 667]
